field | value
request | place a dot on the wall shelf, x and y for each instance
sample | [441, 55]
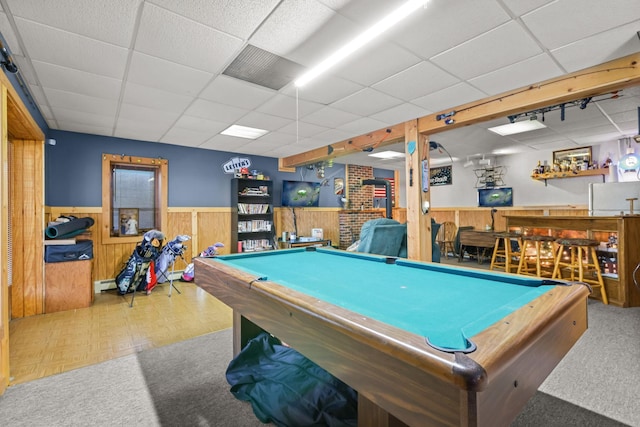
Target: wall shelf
[568, 174]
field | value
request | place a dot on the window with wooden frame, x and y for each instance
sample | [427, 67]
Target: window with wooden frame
[134, 197]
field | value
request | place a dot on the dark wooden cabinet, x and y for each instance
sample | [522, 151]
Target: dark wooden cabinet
[252, 226]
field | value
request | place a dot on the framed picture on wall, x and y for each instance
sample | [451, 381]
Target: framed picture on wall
[129, 218]
[572, 155]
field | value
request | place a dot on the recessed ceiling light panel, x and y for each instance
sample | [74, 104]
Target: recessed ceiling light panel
[517, 127]
[244, 132]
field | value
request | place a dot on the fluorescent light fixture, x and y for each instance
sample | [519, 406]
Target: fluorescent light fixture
[368, 35]
[244, 132]
[387, 155]
[517, 127]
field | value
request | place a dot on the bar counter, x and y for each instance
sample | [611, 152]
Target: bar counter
[619, 248]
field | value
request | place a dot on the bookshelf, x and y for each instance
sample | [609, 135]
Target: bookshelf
[252, 226]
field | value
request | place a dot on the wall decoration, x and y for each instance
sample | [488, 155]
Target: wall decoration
[236, 163]
[338, 186]
[578, 156]
[441, 176]
[128, 222]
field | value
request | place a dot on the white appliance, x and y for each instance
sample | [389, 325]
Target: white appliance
[610, 198]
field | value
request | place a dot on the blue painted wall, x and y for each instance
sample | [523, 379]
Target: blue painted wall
[73, 171]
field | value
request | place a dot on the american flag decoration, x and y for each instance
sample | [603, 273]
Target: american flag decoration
[379, 190]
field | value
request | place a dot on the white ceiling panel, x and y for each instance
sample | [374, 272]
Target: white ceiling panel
[150, 97]
[151, 69]
[288, 107]
[169, 36]
[290, 23]
[450, 97]
[237, 93]
[532, 70]
[79, 102]
[469, 18]
[110, 21]
[550, 25]
[491, 51]
[373, 65]
[263, 121]
[416, 81]
[367, 101]
[70, 50]
[324, 90]
[600, 48]
[165, 75]
[240, 17]
[72, 80]
[214, 111]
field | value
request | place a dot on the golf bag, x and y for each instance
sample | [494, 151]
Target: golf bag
[210, 252]
[171, 250]
[133, 276]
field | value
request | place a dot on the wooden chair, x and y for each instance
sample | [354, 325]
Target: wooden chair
[578, 258]
[446, 237]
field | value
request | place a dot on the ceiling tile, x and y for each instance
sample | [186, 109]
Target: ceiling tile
[183, 136]
[83, 118]
[143, 131]
[240, 17]
[450, 97]
[532, 70]
[237, 93]
[491, 51]
[79, 102]
[362, 126]
[263, 121]
[372, 65]
[469, 19]
[288, 107]
[169, 36]
[366, 102]
[400, 113]
[324, 90]
[165, 75]
[70, 50]
[520, 7]
[9, 35]
[72, 80]
[110, 21]
[290, 23]
[145, 96]
[599, 48]
[198, 124]
[226, 143]
[330, 117]
[164, 119]
[550, 25]
[302, 129]
[89, 128]
[215, 111]
[416, 81]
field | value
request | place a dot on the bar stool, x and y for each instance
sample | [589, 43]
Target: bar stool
[532, 265]
[582, 263]
[503, 254]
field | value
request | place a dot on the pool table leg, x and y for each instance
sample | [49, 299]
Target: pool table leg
[244, 330]
[371, 415]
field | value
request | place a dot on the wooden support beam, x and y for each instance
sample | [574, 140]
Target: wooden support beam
[597, 80]
[376, 139]
[418, 223]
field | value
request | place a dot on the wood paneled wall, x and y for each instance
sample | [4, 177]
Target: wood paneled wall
[479, 218]
[206, 226]
[27, 227]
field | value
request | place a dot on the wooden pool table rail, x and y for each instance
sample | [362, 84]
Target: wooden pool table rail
[395, 371]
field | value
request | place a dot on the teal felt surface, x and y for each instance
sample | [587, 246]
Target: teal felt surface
[444, 304]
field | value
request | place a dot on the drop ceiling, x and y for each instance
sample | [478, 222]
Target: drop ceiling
[155, 70]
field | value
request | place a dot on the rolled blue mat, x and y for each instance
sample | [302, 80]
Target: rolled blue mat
[60, 230]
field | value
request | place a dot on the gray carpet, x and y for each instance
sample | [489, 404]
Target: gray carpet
[183, 384]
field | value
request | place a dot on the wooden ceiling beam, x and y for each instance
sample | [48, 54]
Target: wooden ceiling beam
[598, 80]
[376, 139]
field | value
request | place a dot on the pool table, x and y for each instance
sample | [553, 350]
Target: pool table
[422, 343]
